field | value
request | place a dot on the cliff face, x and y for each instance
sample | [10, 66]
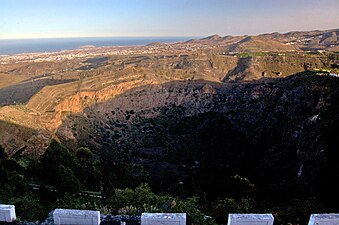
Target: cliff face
[54, 103]
[244, 104]
[46, 109]
[78, 101]
[278, 127]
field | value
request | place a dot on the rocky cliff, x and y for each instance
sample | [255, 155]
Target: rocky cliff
[281, 128]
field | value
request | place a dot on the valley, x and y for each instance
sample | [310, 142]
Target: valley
[184, 116]
[46, 87]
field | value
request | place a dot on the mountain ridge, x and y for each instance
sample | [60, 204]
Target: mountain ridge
[299, 39]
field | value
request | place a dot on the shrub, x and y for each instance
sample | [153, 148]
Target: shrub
[194, 215]
[142, 199]
[76, 201]
[3, 154]
[222, 208]
[28, 207]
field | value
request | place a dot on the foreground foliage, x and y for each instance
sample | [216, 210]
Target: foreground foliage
[70, 188]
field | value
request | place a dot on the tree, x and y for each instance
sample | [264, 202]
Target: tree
[240, 187]
[89, 172]
[84, 154]
[56, 155]
[67, 181]
[3, 154]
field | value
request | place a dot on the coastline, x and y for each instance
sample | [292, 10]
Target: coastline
[48, 45]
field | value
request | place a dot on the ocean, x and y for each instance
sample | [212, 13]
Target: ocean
[11, 47]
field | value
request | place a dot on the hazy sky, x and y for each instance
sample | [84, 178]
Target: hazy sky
[91, 18]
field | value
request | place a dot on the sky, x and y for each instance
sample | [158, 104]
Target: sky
[104, 18]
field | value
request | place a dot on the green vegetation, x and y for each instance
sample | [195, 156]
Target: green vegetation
[64, 179]
[69, 189]
[252, 54]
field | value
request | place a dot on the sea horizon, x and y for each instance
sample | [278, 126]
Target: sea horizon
[20, 46]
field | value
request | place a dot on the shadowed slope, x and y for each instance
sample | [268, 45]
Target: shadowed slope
[191, 131]
[22, 92]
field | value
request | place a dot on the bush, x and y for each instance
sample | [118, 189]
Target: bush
[139, 197]
[77, 201]
[84, 154]
[194, 215]
[3, 154]
[240, 187]
[297, 211]
[222, 208]
[28, 207]
[142, 199]
[128, 210]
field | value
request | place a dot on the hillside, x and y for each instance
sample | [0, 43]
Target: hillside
[42, 100]
[260, 44]
[308, 40]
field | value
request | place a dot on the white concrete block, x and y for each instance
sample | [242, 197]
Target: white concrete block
[163, 219]
[76, 217]
[250, 219]
[7, 213]
[324, 219]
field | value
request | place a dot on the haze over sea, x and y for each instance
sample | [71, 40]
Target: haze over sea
[11, 47]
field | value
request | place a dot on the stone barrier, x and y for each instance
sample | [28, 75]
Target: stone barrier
[7, 213]
[250, 219]
[163, 218]
[76, 217]
[324, 219]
